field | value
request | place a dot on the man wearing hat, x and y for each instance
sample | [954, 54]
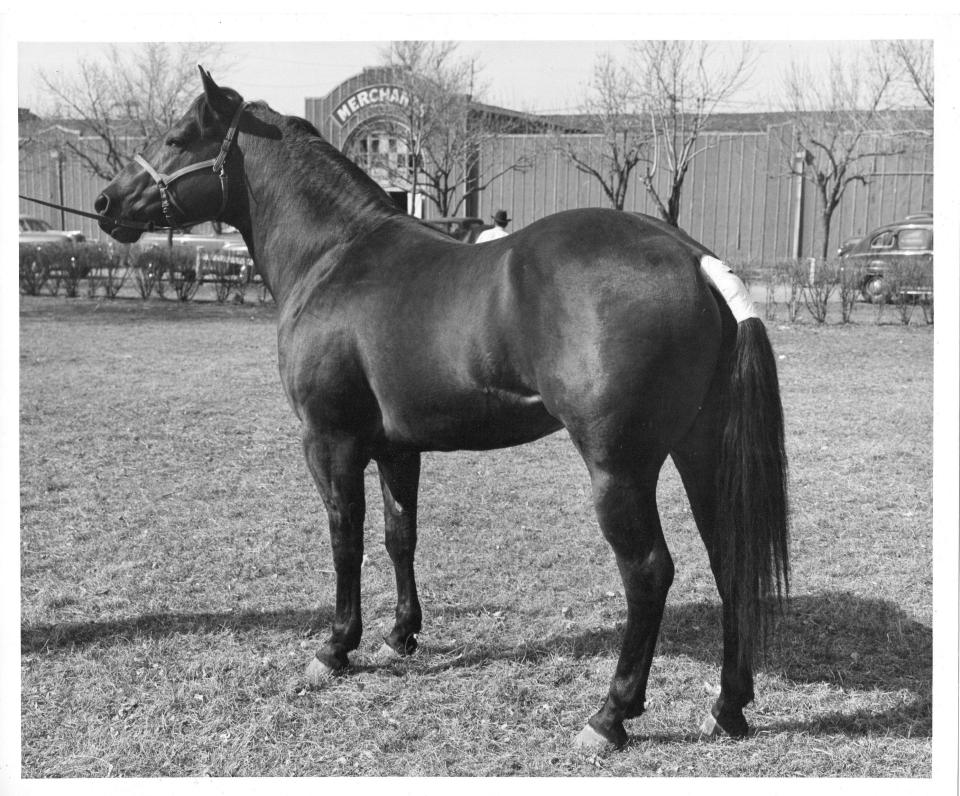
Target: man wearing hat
[499, 229]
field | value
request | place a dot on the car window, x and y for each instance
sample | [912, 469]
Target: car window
[885, 240]
[914, 239]
[34, 225]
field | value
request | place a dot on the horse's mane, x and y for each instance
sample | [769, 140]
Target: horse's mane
[323, 170]
[335, 170]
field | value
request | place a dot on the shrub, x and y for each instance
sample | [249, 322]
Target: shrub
[181, 273]
[770, 298]
[111, 271]
[849, 279]
[93, 256]
[33, 269]
[71, 276]
[43, 267]
[927, 306]
[821, 282]
[910, 285]
[217, 269]
[88, 262]
[146, 272]
[158, 267]
[791, 276]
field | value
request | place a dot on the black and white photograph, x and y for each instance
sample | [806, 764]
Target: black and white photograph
[481, 395]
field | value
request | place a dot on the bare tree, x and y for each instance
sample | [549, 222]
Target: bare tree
[683, 83]
[442, 128]
[620, 136]
[832, 122]
[912, 63]
[126, 99]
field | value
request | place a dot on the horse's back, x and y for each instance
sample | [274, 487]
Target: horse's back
[584, 318]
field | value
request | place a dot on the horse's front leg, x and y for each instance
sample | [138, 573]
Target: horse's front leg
[399, 479]
[337, 464]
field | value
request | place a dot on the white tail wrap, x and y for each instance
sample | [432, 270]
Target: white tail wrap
[732, 289]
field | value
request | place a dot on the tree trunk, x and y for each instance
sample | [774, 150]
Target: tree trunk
[673, 208]
[413, 188]
[825, 218]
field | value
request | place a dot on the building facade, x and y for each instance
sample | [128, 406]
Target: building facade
[742, 196]
[364, 118]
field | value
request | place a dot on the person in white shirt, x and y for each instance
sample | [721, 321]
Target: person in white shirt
[499, 229]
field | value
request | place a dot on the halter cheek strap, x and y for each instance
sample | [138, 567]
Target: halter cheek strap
[168, 203]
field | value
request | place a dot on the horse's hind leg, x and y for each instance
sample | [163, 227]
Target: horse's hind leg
[627, 509]
[697, 461]
[337, 468]
[399, 479]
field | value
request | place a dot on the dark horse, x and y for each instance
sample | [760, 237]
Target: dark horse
[395, 339]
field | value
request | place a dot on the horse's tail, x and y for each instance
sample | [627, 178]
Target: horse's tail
[752, 486]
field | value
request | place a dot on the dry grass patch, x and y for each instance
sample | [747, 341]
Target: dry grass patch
[175, 576]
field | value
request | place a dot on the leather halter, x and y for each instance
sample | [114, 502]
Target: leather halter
[218, 166]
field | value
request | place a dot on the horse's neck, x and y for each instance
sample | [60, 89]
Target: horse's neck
[304, 206]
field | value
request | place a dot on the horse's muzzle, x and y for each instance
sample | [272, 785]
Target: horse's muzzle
[110, 225]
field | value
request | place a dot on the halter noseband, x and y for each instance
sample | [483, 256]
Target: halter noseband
[168, 203]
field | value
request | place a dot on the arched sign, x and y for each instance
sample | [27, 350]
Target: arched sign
[379, 95]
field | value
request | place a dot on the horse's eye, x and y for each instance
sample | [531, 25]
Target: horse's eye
[175, 141]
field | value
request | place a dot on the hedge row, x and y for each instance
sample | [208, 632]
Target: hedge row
[104, 269]
[819, 288]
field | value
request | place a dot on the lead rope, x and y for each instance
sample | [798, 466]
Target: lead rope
[120, 222]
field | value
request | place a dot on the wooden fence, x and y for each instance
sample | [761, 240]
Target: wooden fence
[739, 198]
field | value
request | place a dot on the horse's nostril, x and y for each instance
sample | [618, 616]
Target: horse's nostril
[102, 204]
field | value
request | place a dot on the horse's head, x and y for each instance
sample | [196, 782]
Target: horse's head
[184, 177]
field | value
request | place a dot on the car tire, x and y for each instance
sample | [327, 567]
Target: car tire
[874, 289]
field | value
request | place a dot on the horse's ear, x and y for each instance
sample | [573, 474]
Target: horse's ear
[217, 98]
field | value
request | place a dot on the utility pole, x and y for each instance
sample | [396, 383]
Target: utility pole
[57, 155]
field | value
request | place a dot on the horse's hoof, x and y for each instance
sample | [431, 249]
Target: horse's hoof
[401, 645]
[591, 741]
[712, 728]
[385, 655]
[319, 674]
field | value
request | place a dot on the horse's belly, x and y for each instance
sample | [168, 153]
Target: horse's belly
[492, 419]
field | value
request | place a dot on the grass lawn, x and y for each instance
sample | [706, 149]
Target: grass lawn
[176, 575]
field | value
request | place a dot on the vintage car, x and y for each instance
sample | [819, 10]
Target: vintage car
[220, 249]
[210, 237]
[905, 243]
[37, 231]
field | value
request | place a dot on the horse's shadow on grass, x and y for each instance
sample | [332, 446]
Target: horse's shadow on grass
[43, 637]
[832, 637]
[836, 638]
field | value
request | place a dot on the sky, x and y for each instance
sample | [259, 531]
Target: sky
[532, 59]
[531, 75]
